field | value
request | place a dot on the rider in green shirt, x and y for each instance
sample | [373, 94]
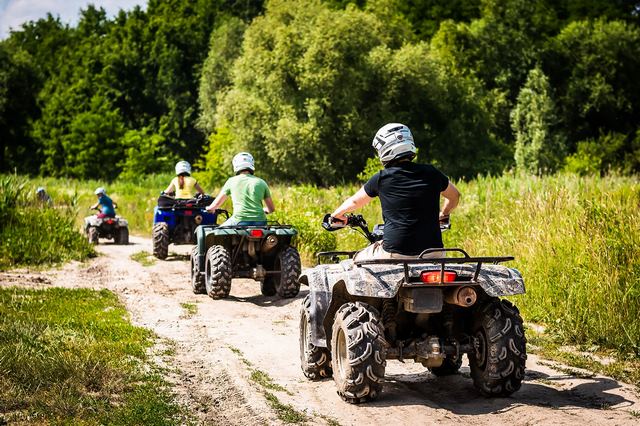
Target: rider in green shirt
[247, 194]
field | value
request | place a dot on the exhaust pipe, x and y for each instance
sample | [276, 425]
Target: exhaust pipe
[269, 243]
[462, 296]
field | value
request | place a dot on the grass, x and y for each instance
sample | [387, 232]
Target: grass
[190, 308]
[285, 412]
[72, 357]
[144, 258]
[33, 234]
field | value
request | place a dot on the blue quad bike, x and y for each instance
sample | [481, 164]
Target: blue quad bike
[262, 253]
[175, 221]
[431, 310]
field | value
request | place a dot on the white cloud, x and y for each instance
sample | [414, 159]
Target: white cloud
[13, 13]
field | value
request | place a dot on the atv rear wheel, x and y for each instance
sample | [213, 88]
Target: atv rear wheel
[498, 361]
[160, 236]
[197, 279]
[92, 235]
[218, 272]
[122, 236]
[357, 352]
[268, 286]
[287, 282]
[448, 367]
[315, 361]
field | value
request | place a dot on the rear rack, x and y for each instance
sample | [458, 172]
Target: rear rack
[440, 260]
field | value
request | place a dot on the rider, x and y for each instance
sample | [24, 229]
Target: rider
[247, 193]
[106, 205]
[43, 197]
[183, 184]
[410, 198]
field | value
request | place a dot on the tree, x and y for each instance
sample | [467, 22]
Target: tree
[540, 147]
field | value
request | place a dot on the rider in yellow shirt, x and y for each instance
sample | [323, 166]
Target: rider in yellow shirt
[183, 184]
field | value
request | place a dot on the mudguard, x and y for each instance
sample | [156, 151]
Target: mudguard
[97, 221]
[384, 281]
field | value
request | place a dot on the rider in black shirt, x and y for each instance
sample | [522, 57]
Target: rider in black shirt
[410, 198]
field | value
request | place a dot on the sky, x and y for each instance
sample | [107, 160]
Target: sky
[14, 13]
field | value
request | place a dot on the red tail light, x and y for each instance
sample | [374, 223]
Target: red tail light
[110, 221]
[188, 213]
[257, 233]
[433, 277]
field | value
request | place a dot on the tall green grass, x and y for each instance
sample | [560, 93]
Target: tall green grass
[577, 242]
[71, 357]
[32, 233]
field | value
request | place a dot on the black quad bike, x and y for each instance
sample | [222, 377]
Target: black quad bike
[263, 253]
[115, 228]
[431, 310]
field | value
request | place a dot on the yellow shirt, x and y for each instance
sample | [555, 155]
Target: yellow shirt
[188, 189]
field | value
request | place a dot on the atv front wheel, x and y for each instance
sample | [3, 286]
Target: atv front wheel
[357, 352]
[122, 236]
[287, 282]
[160, 235]
[498, 360]
[92, 235]
[315, 361]
[218, 272]
[197, 278]
[448, 367]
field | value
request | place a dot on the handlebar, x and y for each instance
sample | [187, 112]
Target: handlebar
[331, 224]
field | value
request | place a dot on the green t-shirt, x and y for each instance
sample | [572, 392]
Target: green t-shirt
[247, 192]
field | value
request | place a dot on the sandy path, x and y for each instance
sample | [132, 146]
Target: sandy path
[210, 350]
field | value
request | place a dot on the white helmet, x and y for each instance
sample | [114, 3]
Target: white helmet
[100, 191]
[183, 167]
[39, 190]
[394, 141]
[243, 161]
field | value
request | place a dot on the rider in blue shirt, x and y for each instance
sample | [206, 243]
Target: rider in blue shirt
[107, 206]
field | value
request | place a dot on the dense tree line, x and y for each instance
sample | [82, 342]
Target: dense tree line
[484, 84]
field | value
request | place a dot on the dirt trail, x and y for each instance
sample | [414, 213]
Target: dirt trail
[210, 350]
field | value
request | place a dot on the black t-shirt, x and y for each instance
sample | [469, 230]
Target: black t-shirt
[410, 198]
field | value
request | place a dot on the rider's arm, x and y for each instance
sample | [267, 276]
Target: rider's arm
[270, 207]
[95, 206]
[451, 197]
[352, 203]
[115, 205]
[217, 203]
[199, 188]
[170, 189]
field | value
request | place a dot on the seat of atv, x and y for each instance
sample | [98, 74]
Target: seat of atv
[168, 202]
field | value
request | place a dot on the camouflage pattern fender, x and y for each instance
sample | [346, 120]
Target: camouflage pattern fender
[384, 281]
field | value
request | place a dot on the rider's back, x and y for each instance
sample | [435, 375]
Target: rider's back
[410, 198]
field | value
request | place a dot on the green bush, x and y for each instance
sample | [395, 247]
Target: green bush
[35, 234]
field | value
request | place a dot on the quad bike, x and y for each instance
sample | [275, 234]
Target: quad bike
[358, 314]
[175, 221]
[263, 253]
[115, 228]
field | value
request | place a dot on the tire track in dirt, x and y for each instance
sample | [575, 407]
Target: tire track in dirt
[207, 353]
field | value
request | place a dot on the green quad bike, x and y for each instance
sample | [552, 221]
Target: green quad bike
[358, 314]
[263, 253]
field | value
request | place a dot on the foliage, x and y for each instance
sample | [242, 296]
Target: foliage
[215, 165]
[539, 145]
[144, 154]
[32, 233]
[71, 356]
[610, 151]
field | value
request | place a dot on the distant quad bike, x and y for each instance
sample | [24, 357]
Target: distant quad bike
[175, 221]
[358, 314]
[115, 228]
[263, 253]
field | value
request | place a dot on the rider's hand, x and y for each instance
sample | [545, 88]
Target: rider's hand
[444, 218]
[209, 208]
[340, 219]
[266, 210]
